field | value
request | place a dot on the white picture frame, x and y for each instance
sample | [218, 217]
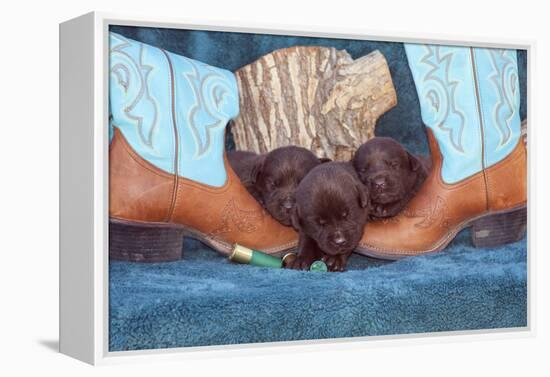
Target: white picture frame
[84, 186]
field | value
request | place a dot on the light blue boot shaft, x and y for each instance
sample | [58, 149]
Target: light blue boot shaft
[500, 100]
[172, 110]
[469, 97]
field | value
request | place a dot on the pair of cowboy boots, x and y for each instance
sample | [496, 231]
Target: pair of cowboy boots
[169, 176]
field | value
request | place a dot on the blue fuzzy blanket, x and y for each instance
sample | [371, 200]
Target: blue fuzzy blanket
[206, 300]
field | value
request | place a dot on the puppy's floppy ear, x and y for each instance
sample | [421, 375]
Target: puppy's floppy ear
[363, 195]
[322, 160]
[414, 163]
[257, 169]
[295, 218]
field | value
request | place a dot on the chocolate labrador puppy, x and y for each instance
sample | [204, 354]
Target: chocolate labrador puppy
[392, 175]
[272, 178]
[330, 214]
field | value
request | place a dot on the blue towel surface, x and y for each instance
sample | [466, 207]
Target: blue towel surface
[206, 300]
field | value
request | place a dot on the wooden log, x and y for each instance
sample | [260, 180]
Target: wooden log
[315, 97]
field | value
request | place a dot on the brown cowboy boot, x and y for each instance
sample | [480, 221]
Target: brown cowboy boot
[168, 173]
[469, 100]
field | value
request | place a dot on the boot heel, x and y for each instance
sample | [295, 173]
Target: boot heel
[136, 242]
[500, 229]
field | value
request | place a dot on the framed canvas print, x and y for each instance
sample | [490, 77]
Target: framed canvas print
[223, 187]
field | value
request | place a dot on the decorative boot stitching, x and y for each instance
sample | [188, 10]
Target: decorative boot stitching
[234, 218]
[435, 214]
[481, 126]
[176, 138]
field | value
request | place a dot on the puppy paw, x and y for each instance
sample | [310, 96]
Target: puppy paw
[336, 263]
[381, 211]
[378, 211]
[300, 263]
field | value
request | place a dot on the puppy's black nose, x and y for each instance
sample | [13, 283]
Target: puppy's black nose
[338, 239]
[379, 183]
[287, 204]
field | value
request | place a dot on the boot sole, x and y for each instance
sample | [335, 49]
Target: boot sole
[139, 241]
[488, 230]
[145, 242]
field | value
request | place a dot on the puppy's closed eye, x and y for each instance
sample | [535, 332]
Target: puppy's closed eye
[394, 164]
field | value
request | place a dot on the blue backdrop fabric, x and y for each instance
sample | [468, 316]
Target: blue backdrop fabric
[206, 300]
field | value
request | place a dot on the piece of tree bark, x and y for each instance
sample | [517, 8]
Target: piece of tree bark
[315, 97]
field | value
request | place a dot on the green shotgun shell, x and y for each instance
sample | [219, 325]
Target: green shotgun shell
[318, 266]
[241, 254]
